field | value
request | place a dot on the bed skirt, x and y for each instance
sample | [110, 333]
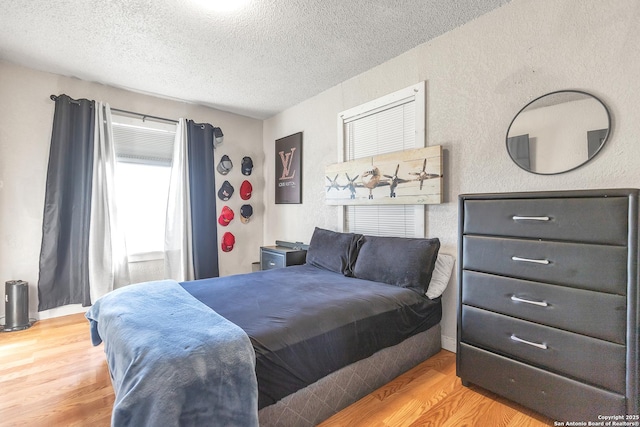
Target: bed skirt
[329, 395]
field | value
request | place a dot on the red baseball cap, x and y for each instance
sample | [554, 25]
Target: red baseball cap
[225, 216]
[228, 240]
[245, 190]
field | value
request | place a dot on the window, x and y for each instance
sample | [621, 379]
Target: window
[392, 123]
[144, 153]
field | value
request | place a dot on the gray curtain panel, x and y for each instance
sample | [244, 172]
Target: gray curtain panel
[203, 200]
[64, 273]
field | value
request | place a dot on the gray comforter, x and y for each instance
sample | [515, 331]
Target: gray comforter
[166, 368]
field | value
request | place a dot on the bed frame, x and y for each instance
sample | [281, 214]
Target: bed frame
[329, 395]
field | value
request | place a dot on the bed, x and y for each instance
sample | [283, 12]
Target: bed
[289, 346]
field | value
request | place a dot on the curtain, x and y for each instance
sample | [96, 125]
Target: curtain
[64, 270]
[108, 263]
[83, 254]
[200, 139]
[178, 254]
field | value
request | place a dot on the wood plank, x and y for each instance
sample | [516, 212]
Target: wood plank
[51, 375]
[410, 177]
[432, 395]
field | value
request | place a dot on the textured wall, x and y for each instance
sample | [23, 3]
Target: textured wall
[26, 115]
[478, 77]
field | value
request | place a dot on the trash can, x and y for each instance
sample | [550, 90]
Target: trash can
[16, 305]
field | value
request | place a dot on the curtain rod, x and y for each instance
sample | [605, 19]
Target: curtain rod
[144, 116]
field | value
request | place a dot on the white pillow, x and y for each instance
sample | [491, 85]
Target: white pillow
[441, 275]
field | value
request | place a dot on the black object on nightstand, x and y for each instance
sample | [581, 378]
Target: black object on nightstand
[280, 256]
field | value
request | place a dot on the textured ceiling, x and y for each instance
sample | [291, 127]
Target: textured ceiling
[256, 62]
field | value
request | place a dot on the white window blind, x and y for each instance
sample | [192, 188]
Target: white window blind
[386, 131]
[137, 141]
[385, 126]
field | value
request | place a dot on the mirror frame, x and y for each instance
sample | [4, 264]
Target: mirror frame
[604, 141]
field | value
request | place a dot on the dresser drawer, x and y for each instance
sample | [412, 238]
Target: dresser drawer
[595, 220]
[269, 260]
[589, 359]
[585, 266]
[280, 256]
[554, 395]
[590, 313]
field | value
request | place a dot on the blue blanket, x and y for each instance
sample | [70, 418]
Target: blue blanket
[173, 360]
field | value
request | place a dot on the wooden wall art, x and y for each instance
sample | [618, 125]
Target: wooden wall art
[410, 177]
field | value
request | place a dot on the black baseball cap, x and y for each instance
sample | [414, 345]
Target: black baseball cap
[245, 213]
[247, 165]
[226, 191]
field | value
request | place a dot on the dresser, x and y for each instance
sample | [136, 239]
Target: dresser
[548, 304]
[280, 256]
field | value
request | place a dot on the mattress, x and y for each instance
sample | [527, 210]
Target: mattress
[305, 322]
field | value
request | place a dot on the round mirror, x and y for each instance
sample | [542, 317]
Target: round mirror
[558, 132]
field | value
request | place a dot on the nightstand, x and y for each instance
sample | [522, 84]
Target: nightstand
[280, 256]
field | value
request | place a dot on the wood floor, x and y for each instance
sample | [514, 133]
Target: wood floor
[50, 375]
[431, 395]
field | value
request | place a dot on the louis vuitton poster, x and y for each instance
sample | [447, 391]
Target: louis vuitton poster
[289, 169]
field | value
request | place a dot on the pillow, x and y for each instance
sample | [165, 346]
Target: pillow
[333, 251]
[397, 261]
[441, 275]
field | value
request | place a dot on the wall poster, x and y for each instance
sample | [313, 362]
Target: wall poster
[409, 177]
[289, 169]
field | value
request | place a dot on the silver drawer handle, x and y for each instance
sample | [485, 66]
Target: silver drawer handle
[535, 261]
[540, 303]
[271, 263]
[534, 344]
[531, 218]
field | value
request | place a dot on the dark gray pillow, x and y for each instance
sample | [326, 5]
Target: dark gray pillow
[398, 261]
[333, 251]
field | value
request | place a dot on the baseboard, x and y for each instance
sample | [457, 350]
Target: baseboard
[448, 343]
[64, 310]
